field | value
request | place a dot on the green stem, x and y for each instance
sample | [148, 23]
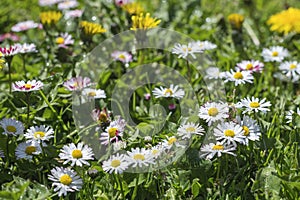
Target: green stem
[135, 188]
[121, 186]
[9, 74]
[28, 106]
[53, 110]
[24, 68]
[189, 70]
[7, 151]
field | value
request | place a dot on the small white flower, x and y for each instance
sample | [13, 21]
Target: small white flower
[254, 104]
[67, 4]
[73, 14]
[229, 133]
[65, 180]
[27, 48]
[29, 86]
[11, 126]
[77, 155]
[238, 77]
[290, 69]
[208, 151]
[10, 51]
[39, 134]
[212, 112]
[183, 50]
[168, 92]
[275, 53]
[122, 56]
[140, 157]
[250, 65]
[113, 132]
[116, 164]
[289, 115]
[171, 142]
[251, 130]
[189, 129]
[214, 73]
[77, 83]
[157, 150]
[26, 151]
[94, 93]
[24, 26]
[205, 45]
[119, 145]
[64, 39]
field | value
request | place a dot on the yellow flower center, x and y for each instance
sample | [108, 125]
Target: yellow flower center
[30, 149]
[189, 49]
[172, 140]
[213, 111]
[77, 153]
[254, 104]
[293, 66]
[229, 133]
[218, 147]
[274, 53]
[238, 75]
[11, 129]
[246, 130]
[190, 129]
[92, 94]
[60, 40]
[112, 132]
[154, 151]
[115, 163]
[168, 90]
[103, 117]
[39, 134]
[249, 66]
[65, 179]
[139, 156]
[122, 56]
[28, 86]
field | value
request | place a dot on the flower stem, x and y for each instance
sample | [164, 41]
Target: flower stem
[121, 186]
[189, 70]
[135, 188]
[24, 68]
[28, 106]
[7, 152]
[9, 73]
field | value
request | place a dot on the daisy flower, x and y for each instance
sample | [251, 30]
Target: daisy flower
[24, 26]
[183, 50]
[289, 115]
[250, 65]
[254, 104]
[121, 2]
[11, 126]
[208, 151]
[77, 83]
[275, 53]
[26, 151]
[115, 164]
[94, 93]
[212, 112]
[73, 14]
[229, 133]
[38, 134]
[238, 77]
[113, 132]
[205, 45]
[189, 129]
[168, 92]
[64, 39]
[29, 86]
[27, 48]
[65, 180]
[169, 142]
[119, 145]
[214, 73]
[139, 157]
[10, 51]
[77, 155]
[122, 56]
[250, 127]
[67, 4]
[290, 69]
[156, 150]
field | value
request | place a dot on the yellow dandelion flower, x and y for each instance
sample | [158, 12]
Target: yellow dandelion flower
[286, 21]
[236, 20]
[50, 17]
[133, 8]
[144, 22]
[90, 28]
